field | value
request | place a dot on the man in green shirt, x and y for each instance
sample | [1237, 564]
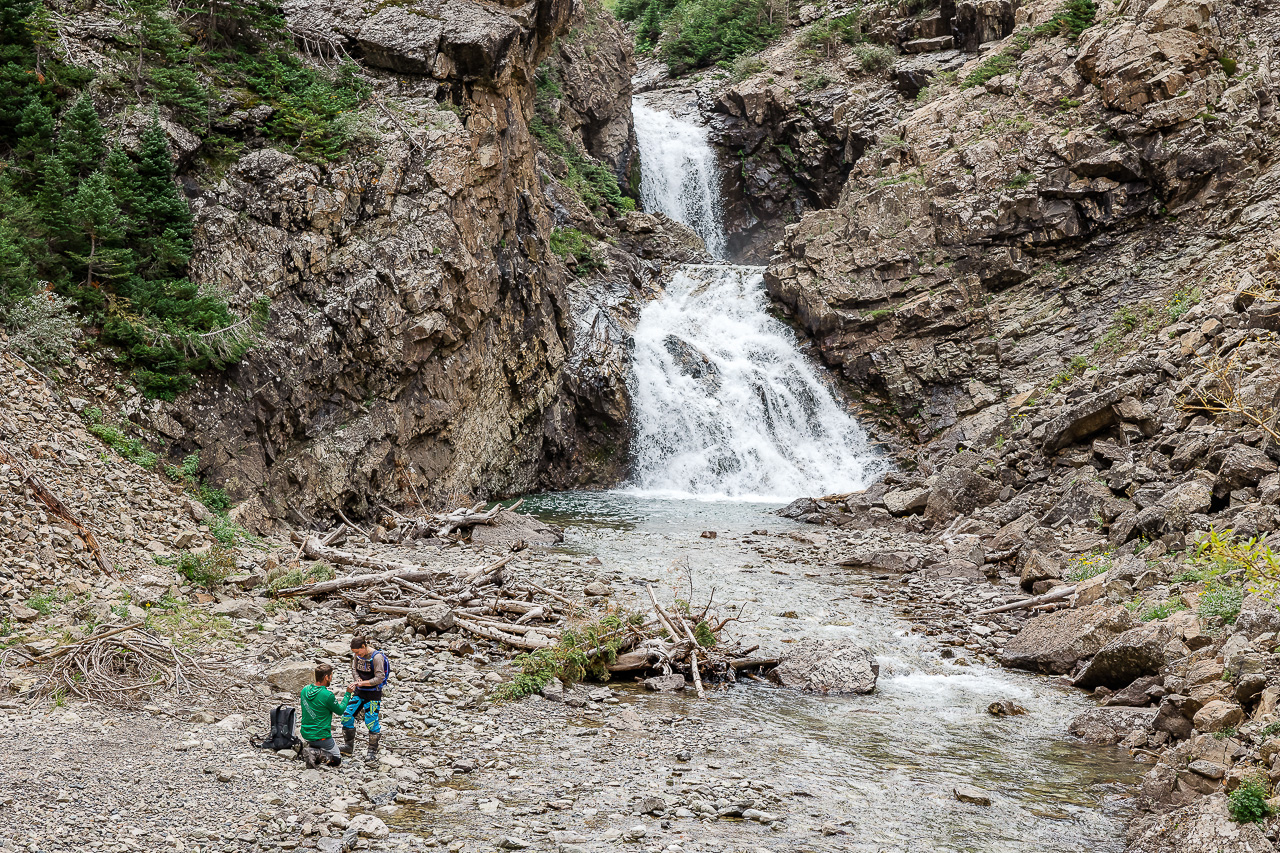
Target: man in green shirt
[318, 707]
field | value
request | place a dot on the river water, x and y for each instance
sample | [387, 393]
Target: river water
[729, 416]
[882, 767]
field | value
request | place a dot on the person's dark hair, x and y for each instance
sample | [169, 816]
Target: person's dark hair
[322, 671]
[358, 642]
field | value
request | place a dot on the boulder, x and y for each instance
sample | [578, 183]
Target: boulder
[239, 608]
[1086, 417]
[1040, 566]
[1218, 715]
[906, 501]
[437, 618]
[665, 683]
[827, 666]
[368, 826]
[1204, 824]
[959, 491]
[1139, 694]
[1257, 617]
[972, 795]
[1111, 725]
[291, 676]
[1056, 642]
[800, 507]
[1084, 499]
[1242, 466]
[1137, 652]
[513, 528]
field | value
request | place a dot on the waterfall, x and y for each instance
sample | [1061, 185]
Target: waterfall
[725, 404]
[678, 174]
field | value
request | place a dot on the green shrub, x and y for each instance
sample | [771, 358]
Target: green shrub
[1229, 65]
[207, 570]
[1088, 566]
[129, 447]
[569, 243]
[1019, 180]
[873, 57]
[1248, 803]
[41, 327]
[1001, 62]
[743, 67]
[43, 603]
[1070, 21]
[828, 33]
[1181, 302]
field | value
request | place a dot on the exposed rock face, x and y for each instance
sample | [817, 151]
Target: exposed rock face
[827, 666]
[594, 65]
[933, 282]
[421, 334]
[1206, 825]
[1055, 642]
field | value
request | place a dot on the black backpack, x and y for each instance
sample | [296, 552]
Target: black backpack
[282, 728]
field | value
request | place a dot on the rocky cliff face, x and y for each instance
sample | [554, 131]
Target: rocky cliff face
[1000, 230]
[420, 323]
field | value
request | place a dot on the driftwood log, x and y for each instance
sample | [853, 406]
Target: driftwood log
[57, 507]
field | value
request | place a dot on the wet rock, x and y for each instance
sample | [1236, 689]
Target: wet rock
[381, 790]
[1111, 725]
[1139, 694]
[970, 794]
[553, 690]
[1006, 708]
[1137, 652]
[827, 666]
[800, 507]
[665, 683]
[1056, 642]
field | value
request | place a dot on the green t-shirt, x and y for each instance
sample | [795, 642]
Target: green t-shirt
[318, 707]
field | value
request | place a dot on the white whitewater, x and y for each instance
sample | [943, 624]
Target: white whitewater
[725, 405]
[678, 173]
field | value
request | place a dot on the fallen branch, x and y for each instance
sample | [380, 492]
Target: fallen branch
[1053, 595]
[58, 508]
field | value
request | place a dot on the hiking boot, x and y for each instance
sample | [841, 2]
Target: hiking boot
[348, 742]
[310, 756]
[372, 757]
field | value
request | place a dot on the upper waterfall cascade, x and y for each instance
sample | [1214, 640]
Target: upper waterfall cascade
[678, 174]
[726, 405]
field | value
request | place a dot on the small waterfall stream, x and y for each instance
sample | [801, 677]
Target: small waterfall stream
[725, 404]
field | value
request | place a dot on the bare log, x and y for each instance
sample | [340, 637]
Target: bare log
[499, 636]
[1053, 595]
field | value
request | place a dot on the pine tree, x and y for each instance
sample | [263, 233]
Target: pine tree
[35, 129]
[95, 212]
[17, 64]
[53, 199]
[163, 217]
[82, 142]
[122, 176]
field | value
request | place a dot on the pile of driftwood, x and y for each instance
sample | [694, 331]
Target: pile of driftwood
[455, 524]
[122, 665]
[520, 615]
